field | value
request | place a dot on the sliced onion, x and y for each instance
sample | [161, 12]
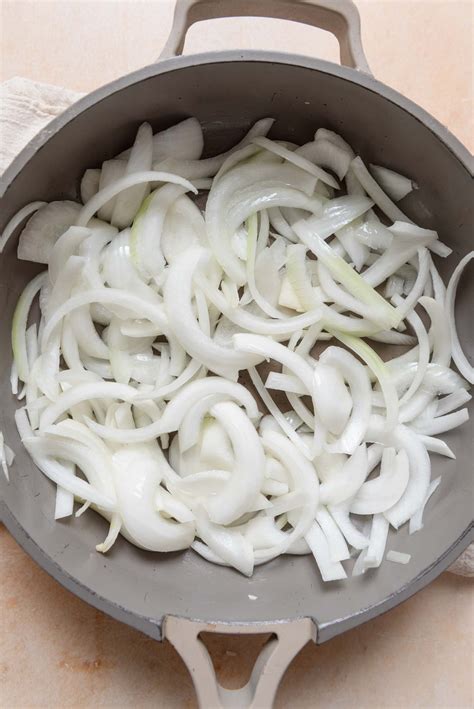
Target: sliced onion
[296, 159]
[395, 185]
[327, 154]
[376, 193]
[330, 570]
[16, 220]
[460, 359]
[111, 171]
[44, 228]
[247, 476]
[124, 183]
[20, 319]
[345, 484]
[416, 522]
[177, 299]
[381, 493]
[359, 385]
[133, 322]
[89, 184]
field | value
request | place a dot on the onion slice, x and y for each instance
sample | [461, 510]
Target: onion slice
[460, 359]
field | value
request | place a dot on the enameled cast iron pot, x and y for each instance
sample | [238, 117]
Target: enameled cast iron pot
[179, 595]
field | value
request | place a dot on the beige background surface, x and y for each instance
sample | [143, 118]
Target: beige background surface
[55, 651]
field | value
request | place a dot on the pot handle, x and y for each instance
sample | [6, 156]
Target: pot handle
[287, 639]
[340, 17]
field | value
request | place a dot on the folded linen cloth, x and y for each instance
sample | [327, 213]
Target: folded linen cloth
[25, 108]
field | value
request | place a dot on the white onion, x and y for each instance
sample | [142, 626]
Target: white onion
[149, 318]
[460, 359]
[395, 185]
[18, 219]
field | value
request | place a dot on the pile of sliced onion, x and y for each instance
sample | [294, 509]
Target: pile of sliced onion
[172, 383]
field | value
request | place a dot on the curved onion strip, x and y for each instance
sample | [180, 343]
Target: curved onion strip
[374, 190]
[127, 202]
[177, 409]
[19, 322]
[164, 391]
[308, 232]
[330, 570]
[250, 265]
[405, 307]
[280, 225]
[285, 382]
[341, 487]
[67, 245]
[359, 385]
[304, 479]
[109, 296]
[441, 356]
[236, 156]
[267, 349]
[340, 514]
[332, 401]
[423, 352]
[358, 253]
[412, 232]
[16, 220]
[338, 548]
[197, 391]
[147, 228]
[247, 477]
[452, 401]
[135, 178]
[438, 286]
[273, 182]
[190, 427]
[296, 159]
[420, 469]
[184, 140]
[280, 419]
[391, 337]
[177, 301]
[298, 277]
[441, 424]
[372, 557]
[255, 323]
[400, 250]
[136, 501]
[345, 300]
[460, 359]
[328, 154]
[381, 372]
[381, 493]
[416, 522]
[85, 392]
[435, 445]
[98, 490]
[395, 185]
[193, 169]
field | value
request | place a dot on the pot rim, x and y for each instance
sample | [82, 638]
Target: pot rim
[454, 145]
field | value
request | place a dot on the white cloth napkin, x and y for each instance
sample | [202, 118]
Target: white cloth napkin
[25, 108]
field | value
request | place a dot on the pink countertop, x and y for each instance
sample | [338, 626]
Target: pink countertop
[55, 651]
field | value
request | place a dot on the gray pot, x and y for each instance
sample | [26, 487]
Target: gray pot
[179, 595]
